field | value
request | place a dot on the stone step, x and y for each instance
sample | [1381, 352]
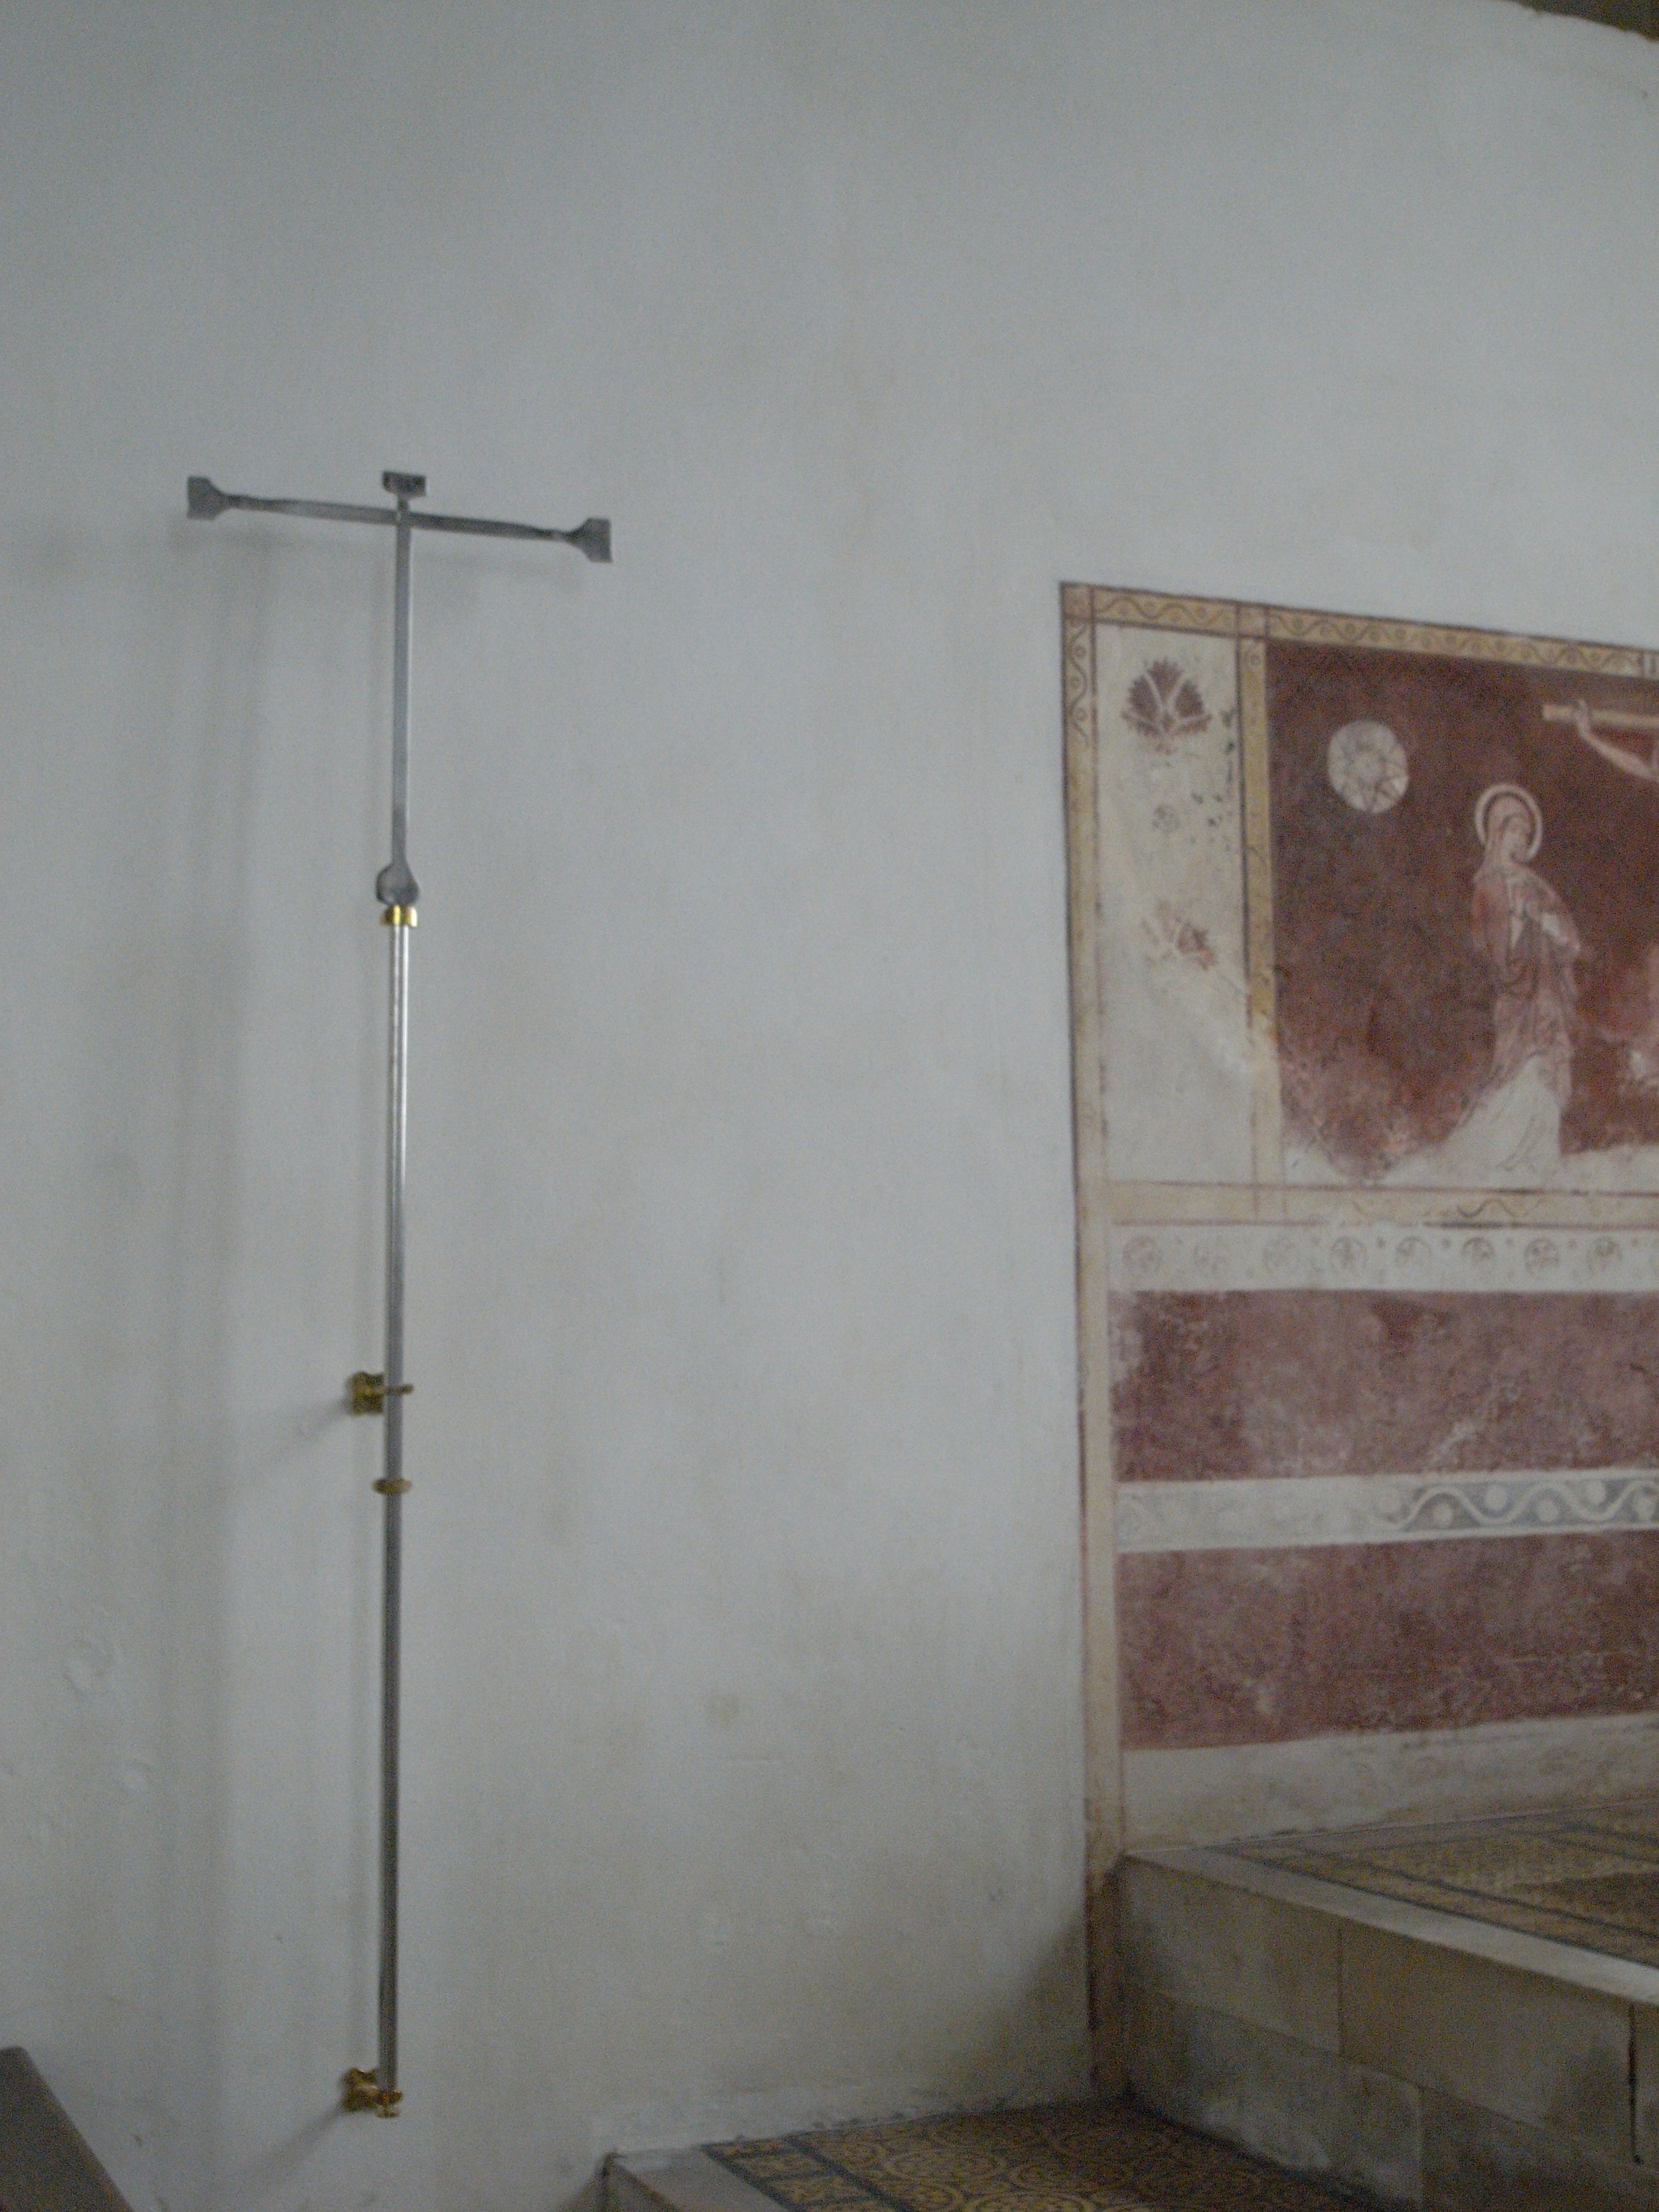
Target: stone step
[45, 2163]
[1427, 2057]
[677, 2181]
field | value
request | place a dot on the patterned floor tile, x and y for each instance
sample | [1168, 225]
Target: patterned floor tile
[1062, 2158]
[1588, 1877]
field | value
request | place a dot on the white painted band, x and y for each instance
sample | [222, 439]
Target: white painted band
[1380, 1255]
[1293, 1510]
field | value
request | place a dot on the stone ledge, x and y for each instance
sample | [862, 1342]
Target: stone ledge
[1625, 1979]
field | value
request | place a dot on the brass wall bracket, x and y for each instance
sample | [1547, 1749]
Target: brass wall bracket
[362, 2094]
[367, 1394]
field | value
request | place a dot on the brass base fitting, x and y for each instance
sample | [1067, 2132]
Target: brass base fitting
[398, 917]
[362, 2094]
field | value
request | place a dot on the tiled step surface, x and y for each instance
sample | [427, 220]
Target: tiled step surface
[1069, 2158]
[45, 2165]
[1585, 1875]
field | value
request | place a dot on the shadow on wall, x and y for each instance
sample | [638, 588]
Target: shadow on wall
[987, 2059]
[162, 1489]
[192, 1072]
[1018, 2048]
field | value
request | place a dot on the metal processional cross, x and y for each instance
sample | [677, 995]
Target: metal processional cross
[383, 1395]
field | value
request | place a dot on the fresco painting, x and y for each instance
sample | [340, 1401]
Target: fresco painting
[1466, 921]
[1365, 951]
[1177, 1027]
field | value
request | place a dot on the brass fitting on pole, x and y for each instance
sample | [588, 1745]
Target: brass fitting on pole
[367, 1394]
[362, 2094]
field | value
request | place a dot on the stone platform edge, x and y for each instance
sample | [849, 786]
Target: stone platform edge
[676, 2181]
[1421, 2059]
[1482, 1939]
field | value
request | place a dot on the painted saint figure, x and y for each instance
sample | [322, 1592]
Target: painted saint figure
[1529, 940]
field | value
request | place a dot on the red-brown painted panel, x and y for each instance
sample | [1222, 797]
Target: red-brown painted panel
[1267, 1646]
[1420, 962]
[1267, 1382]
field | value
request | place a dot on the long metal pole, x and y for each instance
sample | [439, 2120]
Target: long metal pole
[398, 891]
[392, 1486]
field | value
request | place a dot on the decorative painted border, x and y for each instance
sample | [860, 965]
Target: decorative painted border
[1273, 1513]
[1231, 618]
[1364, 1257]
[1266, 1117]
[1351, 1204]
[1461, 644]
[1158, 610]
[1103, 1732]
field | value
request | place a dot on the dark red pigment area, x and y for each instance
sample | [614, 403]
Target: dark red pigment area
[1273, 1646]
[1291, 1383]
[1384, 1004]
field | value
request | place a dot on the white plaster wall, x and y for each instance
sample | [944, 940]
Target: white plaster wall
[743, 1715]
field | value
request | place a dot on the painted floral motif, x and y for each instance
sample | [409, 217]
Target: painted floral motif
[1170, 934]
[1165, 705]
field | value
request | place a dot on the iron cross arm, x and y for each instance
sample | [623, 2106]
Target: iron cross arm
[204, 502]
